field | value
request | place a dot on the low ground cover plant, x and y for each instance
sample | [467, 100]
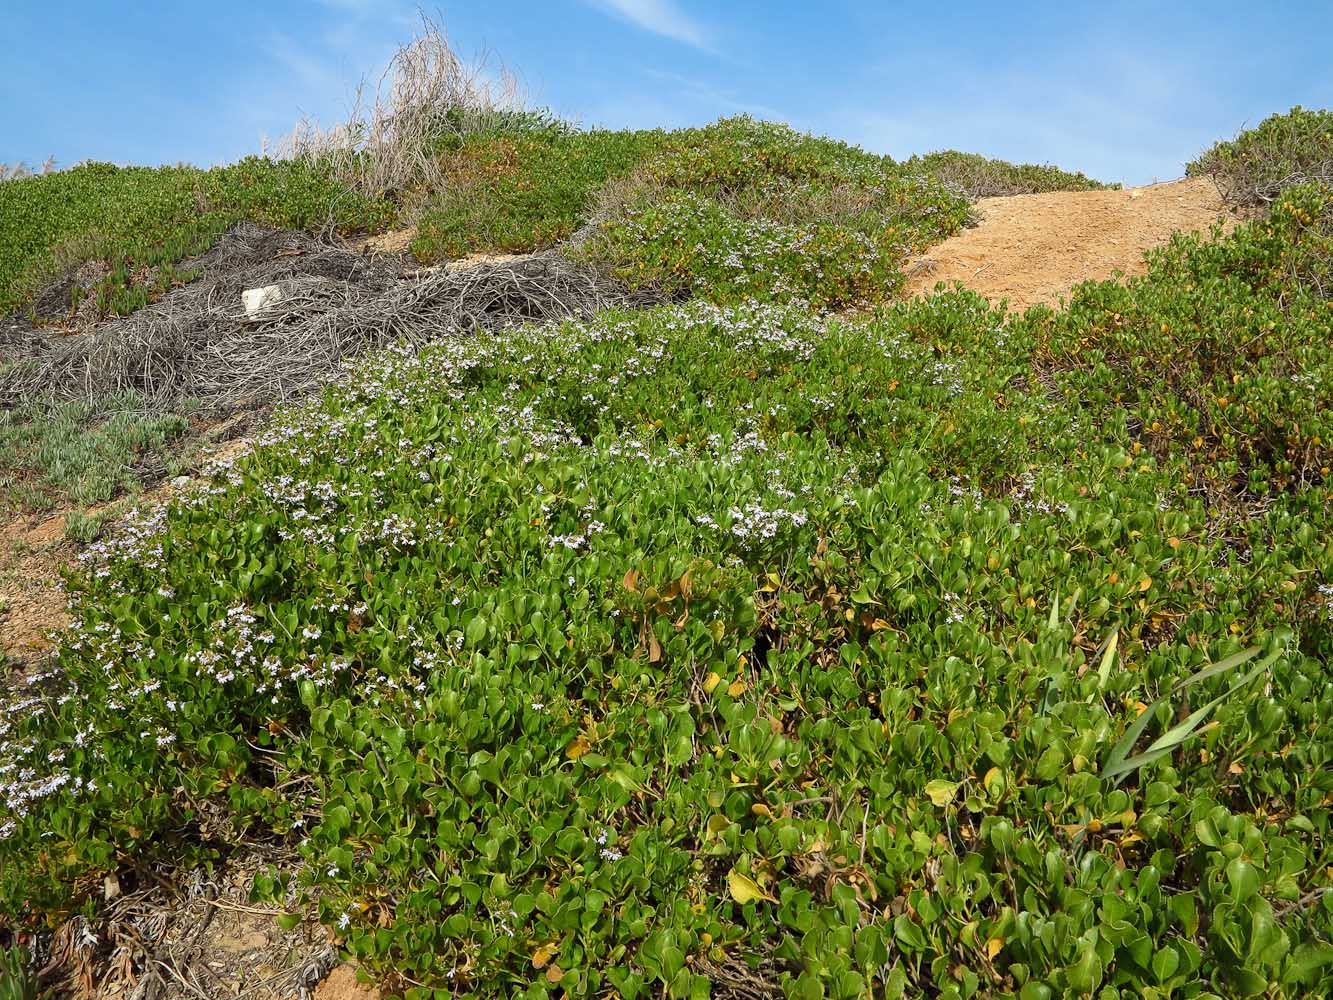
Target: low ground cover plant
[515, 191]
[725, 648]
[1219, 356]
[136, 222]
[1283, 150]
[80, 451]
[739, 210]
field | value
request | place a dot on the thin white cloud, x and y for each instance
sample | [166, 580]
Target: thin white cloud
[661, 17]
[1129, 119]
[717, 100]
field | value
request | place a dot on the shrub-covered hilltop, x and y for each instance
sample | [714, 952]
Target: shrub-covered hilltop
[718, 200]
[740, 210]
[733, 647]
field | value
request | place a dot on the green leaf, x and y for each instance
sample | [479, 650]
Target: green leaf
[1244, 879]
[1308, 960]
[1085, 975]
[1118, 764]
[909, 934]
[1108, 657]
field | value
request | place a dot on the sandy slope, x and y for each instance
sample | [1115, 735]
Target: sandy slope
[1034, 248]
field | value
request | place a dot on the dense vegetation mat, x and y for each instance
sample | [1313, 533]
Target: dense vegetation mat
[736, 649]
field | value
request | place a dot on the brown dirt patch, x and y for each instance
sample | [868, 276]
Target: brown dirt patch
[1032, 248]
[32, 550]
[342, 985]
[395, 242]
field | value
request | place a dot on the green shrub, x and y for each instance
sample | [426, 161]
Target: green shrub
[141, 220]
[685, 245]
[980, 177]
[1283, 150]
[749, 210]
[1220, 354]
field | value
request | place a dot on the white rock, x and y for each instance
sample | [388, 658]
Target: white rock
[256, 300]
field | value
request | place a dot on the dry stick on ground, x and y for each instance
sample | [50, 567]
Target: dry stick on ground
[198, 343]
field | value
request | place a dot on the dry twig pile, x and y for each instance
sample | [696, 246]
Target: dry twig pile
[198, 343]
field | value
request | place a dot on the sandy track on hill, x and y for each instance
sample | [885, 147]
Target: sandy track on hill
[1032, 248]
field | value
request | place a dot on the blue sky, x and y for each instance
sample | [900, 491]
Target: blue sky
[1122, 91]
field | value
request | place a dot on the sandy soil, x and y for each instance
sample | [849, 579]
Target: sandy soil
[32, 550]
[1032, 248]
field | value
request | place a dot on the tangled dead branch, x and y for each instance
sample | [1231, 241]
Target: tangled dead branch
[198, 343]
[178, 935]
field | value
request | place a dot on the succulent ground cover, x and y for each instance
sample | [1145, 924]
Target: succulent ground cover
[79, 450]
[737, 648]
[135, 223]
[528, 188]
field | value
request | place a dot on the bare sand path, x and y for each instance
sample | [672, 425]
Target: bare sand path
[1032, 248]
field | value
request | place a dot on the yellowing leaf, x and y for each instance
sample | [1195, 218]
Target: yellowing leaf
[941, 792]
[994, 782]
[1145, 583]
[993, 947]
[736, 688]
[554, 974]
[542, 956]
[745, 889]
[711, 681]
[577, 747]
[717, 823]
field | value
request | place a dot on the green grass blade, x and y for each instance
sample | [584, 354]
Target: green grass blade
[1108, 657]
[1119, 763]
[1221, 666]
